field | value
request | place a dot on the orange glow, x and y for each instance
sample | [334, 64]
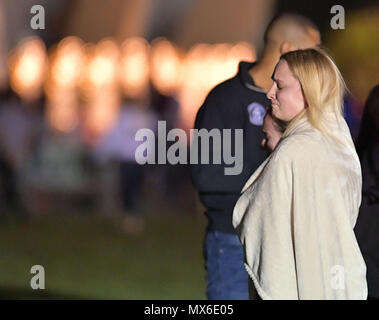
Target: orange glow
[27, 66]
[101, 71]
[67, 63]
[165, 66]
[62, 111]
[102, 68]
[98, 71]
[99, 88]
[134, 67]
[65, 68]
[243, 51]
[101, 113]
[206, 66]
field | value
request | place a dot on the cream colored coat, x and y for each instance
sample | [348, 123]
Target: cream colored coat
[296, 215]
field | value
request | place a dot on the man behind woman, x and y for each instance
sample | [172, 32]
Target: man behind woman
[239, 103]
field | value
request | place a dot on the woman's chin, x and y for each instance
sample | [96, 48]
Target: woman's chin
[276, 114]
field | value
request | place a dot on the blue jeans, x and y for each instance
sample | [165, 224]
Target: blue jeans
[226, 276]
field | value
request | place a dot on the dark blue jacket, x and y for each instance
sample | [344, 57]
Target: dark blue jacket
[234, 104]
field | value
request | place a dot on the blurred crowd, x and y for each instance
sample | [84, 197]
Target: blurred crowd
[69, 115]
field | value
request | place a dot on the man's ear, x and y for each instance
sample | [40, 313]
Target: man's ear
[286, 47]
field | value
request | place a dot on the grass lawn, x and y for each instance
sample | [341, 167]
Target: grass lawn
[88, 257]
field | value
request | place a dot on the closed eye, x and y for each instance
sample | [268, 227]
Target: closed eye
[277, 83]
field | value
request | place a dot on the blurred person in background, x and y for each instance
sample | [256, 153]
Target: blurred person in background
[170, 177]
[8, 193]
[367, 227]
[119, 145]
[20, 127]
[240, 103]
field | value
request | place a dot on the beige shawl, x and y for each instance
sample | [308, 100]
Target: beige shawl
[296, 214]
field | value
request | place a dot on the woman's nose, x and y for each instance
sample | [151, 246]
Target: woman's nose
[271, 93]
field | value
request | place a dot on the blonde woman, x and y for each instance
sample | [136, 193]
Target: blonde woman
[296, 214]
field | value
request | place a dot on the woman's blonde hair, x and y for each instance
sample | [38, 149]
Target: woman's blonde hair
[321, 82]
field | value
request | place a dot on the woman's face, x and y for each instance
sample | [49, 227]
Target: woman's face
[286, 96]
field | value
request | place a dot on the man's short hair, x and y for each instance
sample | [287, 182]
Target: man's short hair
[296, 20]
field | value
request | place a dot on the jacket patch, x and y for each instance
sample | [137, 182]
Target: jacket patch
[256, 113]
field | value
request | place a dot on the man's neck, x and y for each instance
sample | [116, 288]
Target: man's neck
[262, 71]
